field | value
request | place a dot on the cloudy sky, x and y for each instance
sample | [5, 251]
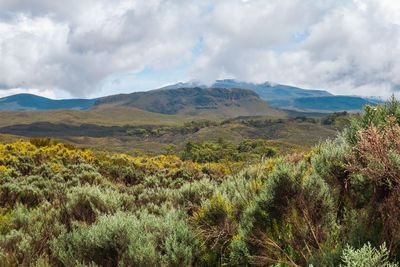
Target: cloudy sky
[88, 48]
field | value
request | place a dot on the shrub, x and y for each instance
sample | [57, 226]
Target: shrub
[29, 233]
[367, 256]
[124, 238]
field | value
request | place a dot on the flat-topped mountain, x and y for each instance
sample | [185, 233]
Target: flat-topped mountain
[27, 102]
[326, 103]
[290, 97]
[266, 91]
[208, 102]
[217, 101]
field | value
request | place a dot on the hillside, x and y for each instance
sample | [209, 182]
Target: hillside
[104, 115]
[289, 97]
[152, 138]
[206, 102]
[219, 204]
[34, 102]
[325, 103]
[195, 99]
[266, 91]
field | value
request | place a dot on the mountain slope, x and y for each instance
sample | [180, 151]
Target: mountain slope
[328, 103]
[33, 102]
[283, 96]
[266, 91]
[207, 102]
[104, 115]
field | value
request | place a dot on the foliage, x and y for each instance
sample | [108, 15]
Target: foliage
[53, 197]
[334, 205]
[247, 150]
[124, 238]
[367, 256]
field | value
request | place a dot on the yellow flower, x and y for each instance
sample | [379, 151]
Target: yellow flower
[3, 168]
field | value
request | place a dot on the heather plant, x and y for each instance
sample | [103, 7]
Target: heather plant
[54, 195]
[376, 158]
[288, 218]
[337, 204]
[85, 203]
[367, 256]
[223, 150]
[28, 233]
[127, 239]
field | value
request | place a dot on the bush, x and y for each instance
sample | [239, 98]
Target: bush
[367, 256]
[126, 239]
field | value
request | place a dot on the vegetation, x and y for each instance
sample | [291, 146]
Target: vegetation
[222, 151]
[334, 205]
[284, 134]
[205, 102]
[104, 115]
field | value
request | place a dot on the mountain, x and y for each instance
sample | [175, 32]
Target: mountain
[28, 102]
[104, 115]
[207, 102]
[217, 101]
[326, 103]
[266, 91]
[293, 98]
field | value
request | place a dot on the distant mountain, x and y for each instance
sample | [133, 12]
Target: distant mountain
[207, 102]
[225, 98]
[29, 102]
[266, 91]
[326, 103]
[293, 98]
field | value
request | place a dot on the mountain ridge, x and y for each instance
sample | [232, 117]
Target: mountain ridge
[266, 90]
[31, 102]
[293, 98]
[279, 96]
[207, 102]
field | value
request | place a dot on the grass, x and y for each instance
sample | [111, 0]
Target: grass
[116, 129]
[285, 136]
[104, 115]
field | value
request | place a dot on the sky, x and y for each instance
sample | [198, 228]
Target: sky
[92, 48]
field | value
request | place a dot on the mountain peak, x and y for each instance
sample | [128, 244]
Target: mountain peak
[196, 101]
[267, 90]
[24, 101]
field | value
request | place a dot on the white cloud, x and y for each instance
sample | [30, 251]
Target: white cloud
[351, 47]
[75, 47]
[345, 46]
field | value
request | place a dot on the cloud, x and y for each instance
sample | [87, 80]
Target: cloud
[48, 45]
[345, 46]
[348, 47]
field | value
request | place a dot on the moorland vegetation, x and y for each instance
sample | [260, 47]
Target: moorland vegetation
[336, 204]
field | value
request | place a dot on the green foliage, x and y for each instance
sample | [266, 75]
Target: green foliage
[63, 206]
[333, 118]
[27, 236]
[367, 256]
[170, 149]
[223, 150]
[126, 239]
[40, 142]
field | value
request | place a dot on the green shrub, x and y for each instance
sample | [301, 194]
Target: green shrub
[29, 233]
[367, 256]
[87, 202]
[124, 238]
